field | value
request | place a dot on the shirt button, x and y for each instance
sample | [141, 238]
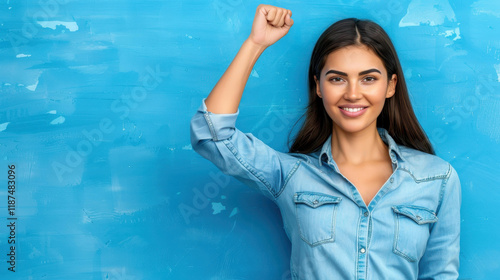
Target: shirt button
[362, 251]
[392, 180]
[419, 218]
[315, 202]
[366, 214]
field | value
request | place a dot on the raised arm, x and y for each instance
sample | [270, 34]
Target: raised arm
[270, 24]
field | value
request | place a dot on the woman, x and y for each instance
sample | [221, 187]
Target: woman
[361, 194]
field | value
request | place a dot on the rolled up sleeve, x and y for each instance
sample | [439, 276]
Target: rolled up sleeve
[235, 153]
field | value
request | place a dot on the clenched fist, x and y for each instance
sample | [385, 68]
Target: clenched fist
[270, 24]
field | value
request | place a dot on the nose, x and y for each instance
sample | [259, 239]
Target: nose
[352, 92]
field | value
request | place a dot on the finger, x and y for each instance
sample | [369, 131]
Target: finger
[261, 10]
[271, 14]
[277, 18]
[288, 19]
[282, 18]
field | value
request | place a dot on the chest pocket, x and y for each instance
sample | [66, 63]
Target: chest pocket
[412, 230]
[315, 214]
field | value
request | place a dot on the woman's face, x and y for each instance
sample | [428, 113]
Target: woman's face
[353, 85]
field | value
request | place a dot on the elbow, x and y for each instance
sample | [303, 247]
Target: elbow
[199, 133]
[194, 138]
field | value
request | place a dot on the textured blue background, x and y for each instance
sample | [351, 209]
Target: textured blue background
[95, 103]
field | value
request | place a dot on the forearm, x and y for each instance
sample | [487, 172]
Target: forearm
[226, 95]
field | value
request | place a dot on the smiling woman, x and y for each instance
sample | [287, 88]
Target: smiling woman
[354, 101]
[361, 194]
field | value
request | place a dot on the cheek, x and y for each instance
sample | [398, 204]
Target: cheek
[329, 102]
[331, 93]
[377, 95]
[329, 106]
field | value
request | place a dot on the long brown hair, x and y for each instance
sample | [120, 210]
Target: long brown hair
[397, 116]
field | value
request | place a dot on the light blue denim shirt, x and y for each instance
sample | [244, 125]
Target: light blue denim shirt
[410, 229]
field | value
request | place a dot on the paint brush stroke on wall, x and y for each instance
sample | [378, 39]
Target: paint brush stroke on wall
[70, 25]
[486, 7]
[428, 12]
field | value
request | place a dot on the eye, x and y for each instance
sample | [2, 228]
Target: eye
[335, 79]
[369, 79]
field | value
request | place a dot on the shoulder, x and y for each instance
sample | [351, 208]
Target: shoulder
[291, 161]
[311, 158]
[423, 166]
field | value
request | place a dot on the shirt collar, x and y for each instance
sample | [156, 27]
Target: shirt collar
[326, 150]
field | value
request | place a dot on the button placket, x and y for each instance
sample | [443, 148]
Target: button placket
[363, 236]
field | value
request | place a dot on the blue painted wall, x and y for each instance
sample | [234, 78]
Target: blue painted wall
[95, 103]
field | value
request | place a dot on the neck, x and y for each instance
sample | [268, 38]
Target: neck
[359, 147]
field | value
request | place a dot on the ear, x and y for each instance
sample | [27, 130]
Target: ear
[318, 91]
[391, 86]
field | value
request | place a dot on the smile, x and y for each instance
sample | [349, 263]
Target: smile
[352, 110]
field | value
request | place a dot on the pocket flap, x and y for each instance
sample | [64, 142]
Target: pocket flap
[418, 214]
[314, 199]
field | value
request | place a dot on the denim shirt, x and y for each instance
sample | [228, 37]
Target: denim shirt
[410, 229]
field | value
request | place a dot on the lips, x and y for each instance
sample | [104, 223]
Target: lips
[352, 111]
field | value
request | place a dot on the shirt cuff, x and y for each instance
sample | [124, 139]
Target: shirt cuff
[217, 127]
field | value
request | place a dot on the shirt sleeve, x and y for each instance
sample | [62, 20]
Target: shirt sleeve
[441, 258]
[235, 153]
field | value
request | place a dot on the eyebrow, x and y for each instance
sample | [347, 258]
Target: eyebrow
[345, 74]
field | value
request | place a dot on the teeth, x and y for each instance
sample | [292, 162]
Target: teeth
[352, 109]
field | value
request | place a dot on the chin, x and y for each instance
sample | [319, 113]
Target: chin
[352, 131]
[353, 127]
